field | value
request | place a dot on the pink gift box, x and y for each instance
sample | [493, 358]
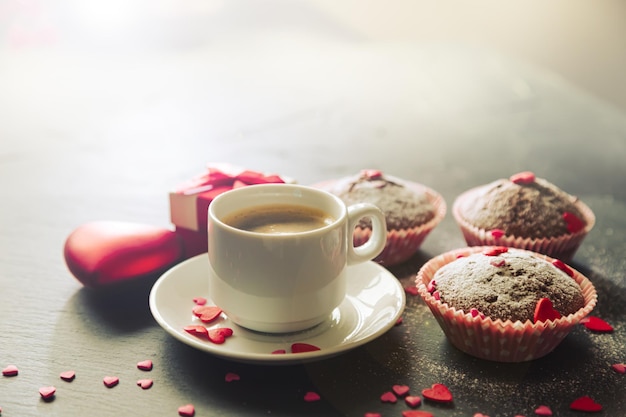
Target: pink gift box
[190, 201]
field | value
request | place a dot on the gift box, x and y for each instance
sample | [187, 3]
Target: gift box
[190, 201]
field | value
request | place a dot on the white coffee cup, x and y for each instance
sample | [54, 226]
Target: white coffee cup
[290, 281]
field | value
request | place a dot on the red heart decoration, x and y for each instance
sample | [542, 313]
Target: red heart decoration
[110, 381]
[400, 390]
[231, 376]
[596, 324]
[303, 347]
[416, 413]
[10, 370]
[561, 265]
[372, 415]
[544, 311]
[585, 404]
[68, 376]
[145, 383]
[438, 392]
[497, 233]
[207, 314]
[311, 396]
[47, 392]
[543, 410]
[107, 252]
[279, 352]
[525, 177]
[219, 335]
[389, 397]
[200, 301]
[413, 401]
[411, 290]
[145, 365]
[186, 410]
[573, 223]
[619, 368]
[195, 330]
[495, 251]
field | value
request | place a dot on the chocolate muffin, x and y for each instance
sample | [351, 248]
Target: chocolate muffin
[411, 210]
[504, 304]
[507, 285]
[526, 212]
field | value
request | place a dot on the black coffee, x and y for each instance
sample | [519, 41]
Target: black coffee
[279, 219]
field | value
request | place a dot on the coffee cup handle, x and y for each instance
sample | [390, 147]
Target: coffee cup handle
[376, 243]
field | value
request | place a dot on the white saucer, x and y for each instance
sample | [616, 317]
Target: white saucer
[374, 302]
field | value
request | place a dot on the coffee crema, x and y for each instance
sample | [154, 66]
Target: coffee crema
[279, 219]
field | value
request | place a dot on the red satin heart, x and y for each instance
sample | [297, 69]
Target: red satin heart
[231, 376]
[199, 331]
[145, 365]
[619, 368]
[187, 410]
[106, 252]
[573, 223]
[525, 177]
[544, 311]
[585, 403]
[438, 392]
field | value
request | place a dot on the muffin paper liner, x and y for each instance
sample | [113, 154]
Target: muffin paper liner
[403, 243]
[502, 341]
[563, 247]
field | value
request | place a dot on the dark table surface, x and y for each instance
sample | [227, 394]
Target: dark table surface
[100, 126]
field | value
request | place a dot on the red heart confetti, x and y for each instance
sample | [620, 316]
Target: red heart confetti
[495, 251]
[110, 381]
[389, 397]
[10, 370]
[416, 413]
[219, 335]
[620, 368]
[372, 415]
[311, 396]
[200, 301]
[186, 410]
[196, 330]
[231, 376]
[145, 365]
[474, 312]
[411, 290]
[525, 177]
[145, 383]
[432, 286]
[585, 403]
[68, 376]
[279, 352]
[596, 324]
[436, 295]
[574, 224]
[438, 392]
[544, 311]
[47, 392]
[303, 347]
[497, 233]
[207, 314]
[543, 410]
[399, 321]
[400, 390]
[561, 265]
[413, 401]
[371, 174]
[498, 262]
